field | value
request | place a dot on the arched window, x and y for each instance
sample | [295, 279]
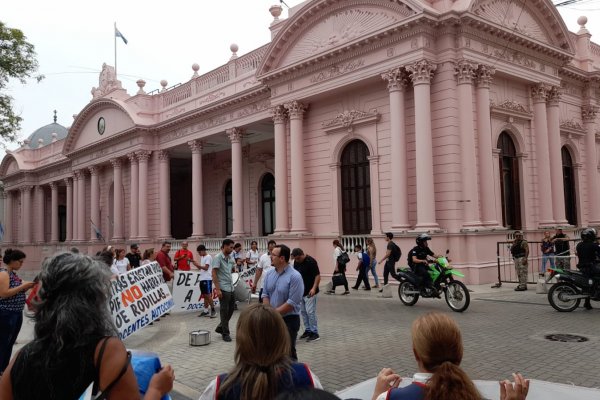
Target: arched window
[569, 186]
[509, 182]
[228, 208]
[267, 190]
[356, 189]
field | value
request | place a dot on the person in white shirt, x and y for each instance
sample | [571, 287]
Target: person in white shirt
[264, 265]
[253, 255]
[121, 263]
[205, 267]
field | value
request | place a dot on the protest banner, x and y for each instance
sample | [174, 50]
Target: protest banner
[248, 276]
[186, 292]
[138, 297]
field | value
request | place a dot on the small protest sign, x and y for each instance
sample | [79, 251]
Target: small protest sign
[186, 292]
[138, 297]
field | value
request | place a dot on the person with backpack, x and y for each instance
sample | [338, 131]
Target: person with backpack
[363, 267]
[392, 255]
[341, 259]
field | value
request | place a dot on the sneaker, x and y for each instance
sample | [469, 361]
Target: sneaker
[219, 329]
[313, 337]
[213, 313]
[226, 338]
[355, 288]
[204, 313]
[375, 286]
[380, 290]
[520, 288]
[346, 292]
[305, 335]
[329, 292]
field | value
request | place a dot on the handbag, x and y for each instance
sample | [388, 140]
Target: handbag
[343, 258]
[337, 279]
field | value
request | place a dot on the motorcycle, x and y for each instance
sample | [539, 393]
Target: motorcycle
[442, 275]
[571, 288]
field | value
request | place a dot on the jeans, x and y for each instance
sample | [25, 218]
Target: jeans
[363, 277]
[374, 271]
[308, 309]
[388, 267]
[226, 305]
[545, 258]
[10, 325]
[292, 322]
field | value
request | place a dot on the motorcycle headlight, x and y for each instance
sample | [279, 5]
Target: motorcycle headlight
[557, 276]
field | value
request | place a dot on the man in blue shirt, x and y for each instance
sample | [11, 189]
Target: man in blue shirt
[283, 289]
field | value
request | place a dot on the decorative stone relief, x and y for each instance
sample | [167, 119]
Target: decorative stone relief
[553, 96]
[421, 72]
[348, 119]
[538, 92]
[588, 113]
[94, 169]
[116, 163]
[279, 114]
[337, 70]
[484, 75]
[512, 15]
[396, 78]
[295, 109]
[163, 155]
[571, 124]
[235, 134]
[174, 112]
[511, 105]
[464, 70]
[210, 97]
[196, 146]
[143, 155]
[343, 26]
[107, 82]
[132, 158]
[254, 108]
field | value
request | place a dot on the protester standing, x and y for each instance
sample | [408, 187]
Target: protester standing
[205, 267]
[253, 255]
[264, 265]
[547, 247]
[238, 257]
[183, 257]
[134, 256]
[283, 289]
[12, 302]
[222, 265]
[520, 252]
[164, 260]
[148, 257]
[308, 268]
[121, 263]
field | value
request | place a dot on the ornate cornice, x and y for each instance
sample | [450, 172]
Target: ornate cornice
[349, 119]
[421, 72]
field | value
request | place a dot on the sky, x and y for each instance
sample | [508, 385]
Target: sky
[73, 38]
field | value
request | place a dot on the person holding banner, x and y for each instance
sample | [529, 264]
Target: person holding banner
[75, 345]
[183, 257]
[222, 265]
[205, 267]
[164, 260]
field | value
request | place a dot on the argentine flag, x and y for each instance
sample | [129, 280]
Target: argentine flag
[119, 34]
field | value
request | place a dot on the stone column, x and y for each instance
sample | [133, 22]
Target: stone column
[94, 202]
[375, 195]
[69, 228]
[143, 157]
[465, 72]
[235, 135]
[281, 172]
[397, 83]
[26, 214]
[8, 217]
[40, 225]
[81, 222]
[54, 234]
[489, 215]
[542, 155]
[197, 197]
[133, 195]
[588, 113]
[336, 198]
[421, 74]
[164, 183]
[75, 203]
[117, 199]
[296, 113]
[554, 146]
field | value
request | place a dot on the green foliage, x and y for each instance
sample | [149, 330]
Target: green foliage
[17, 61]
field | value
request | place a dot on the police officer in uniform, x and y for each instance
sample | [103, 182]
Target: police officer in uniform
[588, 253]
[520, 252]
[417, 260]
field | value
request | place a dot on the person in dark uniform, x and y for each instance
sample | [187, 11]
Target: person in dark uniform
[588, 253]
[134, 256]
[417, 259]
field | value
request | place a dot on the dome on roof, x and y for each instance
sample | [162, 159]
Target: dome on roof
[46, 134]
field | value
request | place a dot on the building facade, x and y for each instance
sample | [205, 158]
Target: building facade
[467, 119]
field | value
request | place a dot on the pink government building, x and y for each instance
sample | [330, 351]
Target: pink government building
[467, 119]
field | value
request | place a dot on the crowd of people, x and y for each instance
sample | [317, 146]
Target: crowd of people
[76, 346]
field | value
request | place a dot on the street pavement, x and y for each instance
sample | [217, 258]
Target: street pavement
[503, 332]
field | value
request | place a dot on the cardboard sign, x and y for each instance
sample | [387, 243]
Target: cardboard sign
[138, 297]
[248, 276]
[186, 292]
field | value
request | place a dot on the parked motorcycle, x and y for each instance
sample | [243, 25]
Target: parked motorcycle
[571, 288]
[442, 275]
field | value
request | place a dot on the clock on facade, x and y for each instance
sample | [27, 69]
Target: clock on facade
[101, 125]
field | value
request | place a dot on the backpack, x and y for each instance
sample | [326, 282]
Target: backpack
[366, 260]
[396, 253]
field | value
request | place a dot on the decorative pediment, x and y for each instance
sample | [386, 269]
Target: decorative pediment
[324, 25]
[511, 108]
[537, 19]
[571, 125]
[348, 119]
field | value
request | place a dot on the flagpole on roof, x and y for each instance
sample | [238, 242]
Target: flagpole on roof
[115, 37]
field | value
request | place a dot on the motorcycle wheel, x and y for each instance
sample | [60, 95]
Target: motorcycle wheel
[555, 297]
[408, 299]
[457, 296]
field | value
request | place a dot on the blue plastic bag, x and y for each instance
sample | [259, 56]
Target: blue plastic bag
[145, 364]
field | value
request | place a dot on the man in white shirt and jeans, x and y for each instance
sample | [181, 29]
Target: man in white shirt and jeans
[264, 265]
[205, 267]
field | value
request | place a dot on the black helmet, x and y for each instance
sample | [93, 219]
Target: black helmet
[588, 235]
[422, 238]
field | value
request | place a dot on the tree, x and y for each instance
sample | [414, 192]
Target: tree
[17, 60]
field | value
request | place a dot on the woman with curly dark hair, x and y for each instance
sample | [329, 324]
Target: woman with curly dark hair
[75, 344]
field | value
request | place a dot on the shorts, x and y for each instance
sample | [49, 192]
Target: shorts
[206, 287]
